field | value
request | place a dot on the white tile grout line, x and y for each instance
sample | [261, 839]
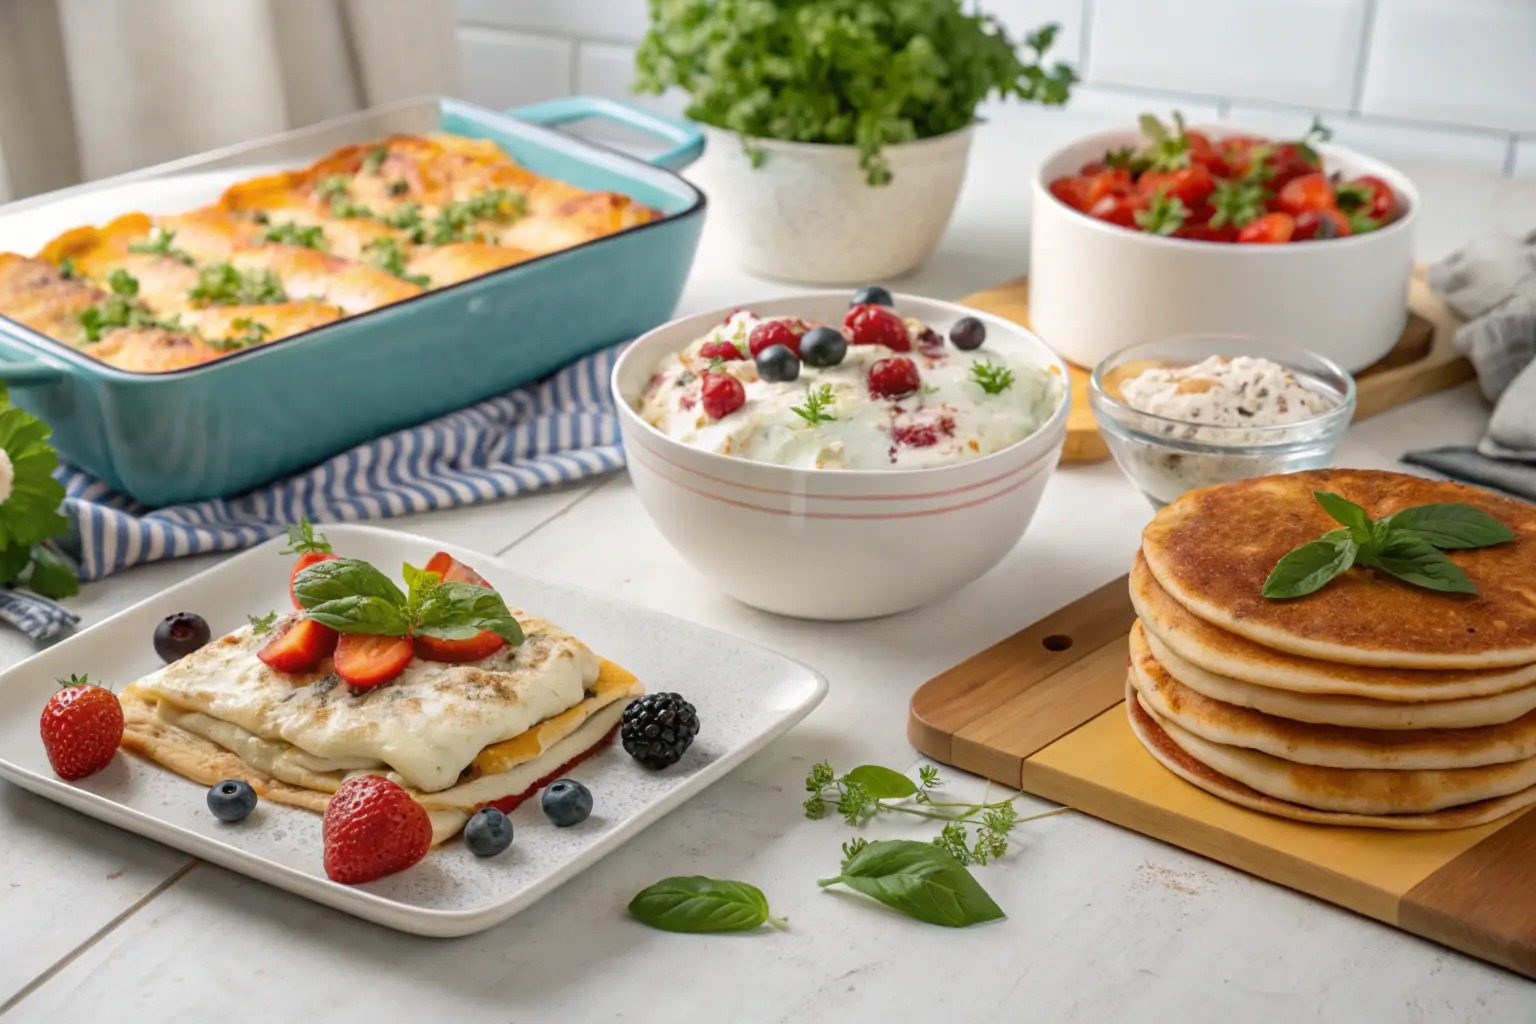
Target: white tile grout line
[562, 510]
[1086, 31]
[1511, 156]
[1363, 57]
[101, 933]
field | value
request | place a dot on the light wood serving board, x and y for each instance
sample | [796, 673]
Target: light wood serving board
[1424, 361]
[1044, 711]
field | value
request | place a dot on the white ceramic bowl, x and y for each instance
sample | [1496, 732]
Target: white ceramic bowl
[1095, 288]
[834, 544]
[807, 214]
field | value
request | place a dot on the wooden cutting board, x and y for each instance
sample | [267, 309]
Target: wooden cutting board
[1044, 711]
[1423, 362]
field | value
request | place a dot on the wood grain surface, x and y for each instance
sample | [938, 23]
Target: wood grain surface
[1423, 362]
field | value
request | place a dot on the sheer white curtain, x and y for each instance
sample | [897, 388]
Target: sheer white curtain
[90, 88]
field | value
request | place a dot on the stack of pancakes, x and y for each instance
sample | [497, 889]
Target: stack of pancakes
[1370, 702]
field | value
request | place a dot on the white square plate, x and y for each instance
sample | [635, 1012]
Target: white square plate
[746, 697]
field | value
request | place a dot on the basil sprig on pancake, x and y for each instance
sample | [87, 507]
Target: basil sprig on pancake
[1407, 545]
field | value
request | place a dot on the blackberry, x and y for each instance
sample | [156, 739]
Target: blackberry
[658, 728]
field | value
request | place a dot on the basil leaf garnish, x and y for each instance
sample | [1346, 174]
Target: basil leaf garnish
[1309, 568]
[1422, 564]
[1450, 526]
[1347, 512]
[696, 904]
[352, 596]
[882, 783]
[919, 880]
[457, 611]
[1406, 545]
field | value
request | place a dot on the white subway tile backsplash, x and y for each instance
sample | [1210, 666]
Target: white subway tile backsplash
[1024, 16]
[1469, 62]
[1131, 104]
[1392, 143]
[507, 69]
[1288, 51]
[593, 19]
[604, 69]
[1525, 159]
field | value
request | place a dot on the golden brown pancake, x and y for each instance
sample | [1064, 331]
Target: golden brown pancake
[1213, 548]
[1335, 709]
[1227, 654]
[1176, 760]
[1329, 746]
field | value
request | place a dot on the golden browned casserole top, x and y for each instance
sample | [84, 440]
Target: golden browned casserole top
[365, 226]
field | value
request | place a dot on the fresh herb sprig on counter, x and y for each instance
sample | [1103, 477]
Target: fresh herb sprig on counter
[921, 880]
[699, 905]
[352, 596]
[1407, 545]
[870, 790]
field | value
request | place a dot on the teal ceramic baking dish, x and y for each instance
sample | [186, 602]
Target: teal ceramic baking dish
[224, 427]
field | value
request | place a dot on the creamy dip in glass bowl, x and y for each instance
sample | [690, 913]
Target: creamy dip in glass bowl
[1194, 412]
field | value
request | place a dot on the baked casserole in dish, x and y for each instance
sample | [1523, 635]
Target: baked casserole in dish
[248, 313]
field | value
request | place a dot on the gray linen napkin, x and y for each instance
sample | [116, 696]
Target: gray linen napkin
[1492, 283]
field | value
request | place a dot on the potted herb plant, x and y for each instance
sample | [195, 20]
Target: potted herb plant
[840, 128]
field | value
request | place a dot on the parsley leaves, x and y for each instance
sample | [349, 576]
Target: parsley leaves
[159, 244]
[992, 378]
[388, 255]
[220, 284]
[290, 233]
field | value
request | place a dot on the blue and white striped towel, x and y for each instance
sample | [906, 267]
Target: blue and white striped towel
[558, 430]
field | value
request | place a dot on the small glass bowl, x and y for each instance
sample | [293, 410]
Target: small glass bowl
[1165, 457]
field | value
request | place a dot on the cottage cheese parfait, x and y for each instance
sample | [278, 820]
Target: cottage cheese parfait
[839, 430]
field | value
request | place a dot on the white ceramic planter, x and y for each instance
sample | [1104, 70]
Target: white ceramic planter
[1095, 288]
[806, 214]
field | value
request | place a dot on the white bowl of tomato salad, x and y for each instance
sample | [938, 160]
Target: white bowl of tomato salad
[1168, 230]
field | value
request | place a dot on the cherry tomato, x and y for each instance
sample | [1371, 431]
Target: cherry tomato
[1201, 150]
[1320, 224]
[1270, 229]
[1308, 192]
[1288, 163]
[1071, 191]
[1119, 208]
[1370, 196]
[1191, 185]
[1106, 182]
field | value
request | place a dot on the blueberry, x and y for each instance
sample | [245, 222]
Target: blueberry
[778, 364]
[968, 333]
[566, 802]
[231, 800]
[872, 295]
[488, 833]
[179, 635]
[823, 346]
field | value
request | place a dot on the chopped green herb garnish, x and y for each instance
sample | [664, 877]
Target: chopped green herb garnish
[346, 209]
[159, 244]
[456, 221]
[994, 379]
[123, 283]
[309, 236]
[67, 268]
[399, 187]
[220, 284]
[375, 159]
[816, 404]
[261, 217]
[119, 310]
[262, 623]
[332, 188]
[250, 333]
[389, 256]
[407, 217]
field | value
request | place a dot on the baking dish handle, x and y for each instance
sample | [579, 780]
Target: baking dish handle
[687, 141]
[26, 371]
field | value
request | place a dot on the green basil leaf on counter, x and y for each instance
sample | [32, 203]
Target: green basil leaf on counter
[919, 880]
[352, 596]
[1310, 567]
[696, 905]
[457, 611]
[1450, 526]
[881, 783]
[1347, 512]
[1422, 564]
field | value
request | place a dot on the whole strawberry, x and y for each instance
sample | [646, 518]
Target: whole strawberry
[82, 725]
[373, 828]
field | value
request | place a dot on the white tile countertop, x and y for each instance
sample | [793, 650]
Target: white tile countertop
[1103, 924]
